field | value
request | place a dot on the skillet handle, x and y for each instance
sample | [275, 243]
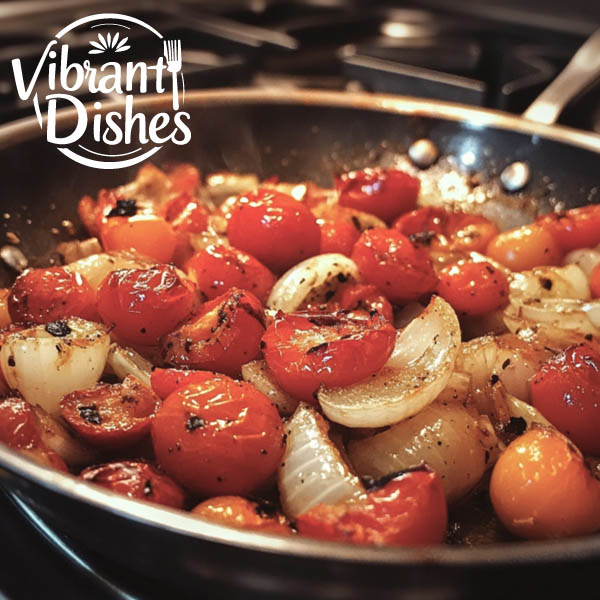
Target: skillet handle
[582, 70]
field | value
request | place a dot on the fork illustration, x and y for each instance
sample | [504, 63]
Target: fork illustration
[172, 52]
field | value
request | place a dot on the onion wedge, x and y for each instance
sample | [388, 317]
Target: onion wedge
[311, 281]
[44, 366]
[312, 469]
[125, 361]
[417, 371]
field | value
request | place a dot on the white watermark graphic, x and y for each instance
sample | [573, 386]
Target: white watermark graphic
[138, 134]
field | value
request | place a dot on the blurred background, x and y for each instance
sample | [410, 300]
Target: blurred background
[493, 53]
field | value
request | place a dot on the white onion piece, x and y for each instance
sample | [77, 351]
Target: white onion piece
[550, 282]
[417, 371]
[448, 438]
[44, 368]
[76, 249]
[585, 258]
[259, 375]
[125, 361]
[223, 184]
[96, 267]
[311, 280]
[312, 469]
[518, 408]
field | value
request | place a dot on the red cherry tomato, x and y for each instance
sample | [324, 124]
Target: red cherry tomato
[184, 178]
[385, 193]
[45, 295]
[574, 228]
[218, 437]
[566, 391]
[409, 510]
[595, 282]
[165, 381]
[273, 227]
[144, 304]
[223, 336]
[358, 296]
[111, 416]
[243, 514]
[305, 351]
[399, 268]
[137, 480]
[218, 268]
[186, 214]
[473, 288]
[454, 231]
[338, 236]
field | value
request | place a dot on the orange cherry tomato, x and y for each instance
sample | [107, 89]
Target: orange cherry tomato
[217, 269]
[218, 437]
[223, 336]
[385, 193]
[595, 282]
[46, 295]
[359, 296]
[165, 381]
[399, 268]
[111, 416]
[338, 236]
[273, 227]
[566, 391]
[408, 510]
[541, 488]
[137, 480]
[144, 304]
[305, 351]
[574, 228]
[524, 248]
[473, 288]
[239, 512]
[146, 234]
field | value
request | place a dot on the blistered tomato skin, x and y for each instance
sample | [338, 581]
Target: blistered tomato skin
[524, 248]
[218, 268]
[222, 336]
[473, 288]
[305, 351]
[338, 236]
[410, 510]
[111, 416]
[241, 513]
[137, 480]
[574, 228]
[385, 193]
[541, 488]
[165, 381]
[144, 304]
[566, 390]
[274, 228]
[389, 260]
[219, 437]
[45, 295]
[358, 296]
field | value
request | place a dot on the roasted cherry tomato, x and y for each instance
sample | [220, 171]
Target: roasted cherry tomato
[273, 227]
[184, 178]
[385, 193]
[566, 391]
[541, 488]
[223, 336]
[239, 512]
[111, 416]
[5, 319]
[400, 269]
[148, 235]
[165, 381]
[595, 282]
[444, 230]
[218, 268]
[45, 295]
[524, 248]
[338, 236]
[218, 437]
[408, 510]
[138, 480]
[473, 288]
[186, 214]
[574, 228]
[145, 304]
[20, 429]
[305, 351]
[359, 296]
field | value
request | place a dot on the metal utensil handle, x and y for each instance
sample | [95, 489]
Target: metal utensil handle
[583, 69]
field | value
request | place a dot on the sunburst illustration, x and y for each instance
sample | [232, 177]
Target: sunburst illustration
[108, 43]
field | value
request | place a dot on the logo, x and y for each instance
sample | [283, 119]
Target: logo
[96, 69]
